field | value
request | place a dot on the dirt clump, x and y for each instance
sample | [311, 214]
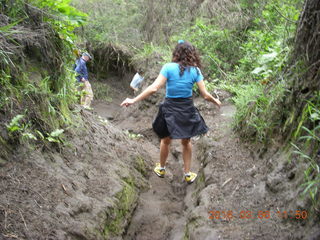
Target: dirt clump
[88, 190]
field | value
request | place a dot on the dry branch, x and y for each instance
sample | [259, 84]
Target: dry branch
[226, 182]
[25, 225]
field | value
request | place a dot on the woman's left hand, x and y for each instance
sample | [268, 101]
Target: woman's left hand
[127, 102]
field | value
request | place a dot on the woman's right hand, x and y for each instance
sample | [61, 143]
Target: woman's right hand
[217, 102]
[127, 102]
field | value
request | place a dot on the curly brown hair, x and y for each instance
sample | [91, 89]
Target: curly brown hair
[186, 55]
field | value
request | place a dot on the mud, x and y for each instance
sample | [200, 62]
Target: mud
[242, 192]
[72, 194]
[101, 184]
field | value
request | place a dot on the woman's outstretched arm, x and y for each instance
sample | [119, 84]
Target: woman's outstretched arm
[206, 95]
[151, 89]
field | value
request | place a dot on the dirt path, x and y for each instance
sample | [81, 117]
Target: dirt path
[231, 198]
[98, 187]
[160, 211]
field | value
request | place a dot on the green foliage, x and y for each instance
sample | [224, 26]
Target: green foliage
[250, 5]
[111, 20]
[264, 51]
[50, 112]
[307, 136]
[140, 165]
[254, 106]
[103, 120]
[211, 86]
[6, 53]
[14, 8]
[310, 115]
[264, 46]
[44, 94]
[63, 17]
[133, 136]
[312, 174]
[8, 92]
[18, 128]
[15, 124]
[267, 47]
[54, 136]
[122, 209]
[152, 51]
[219, 48]
[102, 91]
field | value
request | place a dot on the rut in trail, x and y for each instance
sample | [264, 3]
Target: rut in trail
[160, 211]
[231, 178]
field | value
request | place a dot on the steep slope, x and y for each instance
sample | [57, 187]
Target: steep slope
[87, 189]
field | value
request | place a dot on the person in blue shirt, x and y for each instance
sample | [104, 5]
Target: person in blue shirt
[81, 67]
[82, 77]
[178, 118]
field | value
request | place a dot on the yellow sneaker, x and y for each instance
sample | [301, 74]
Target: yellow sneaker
[190, 177]
[159, 171]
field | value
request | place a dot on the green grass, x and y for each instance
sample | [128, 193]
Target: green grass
[255, 110]
[306, 144]
[102, 91]
[123, 207]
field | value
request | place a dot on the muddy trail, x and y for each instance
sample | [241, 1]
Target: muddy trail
[100, 184]
[240, 193]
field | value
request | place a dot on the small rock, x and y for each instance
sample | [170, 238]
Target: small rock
[252, 171]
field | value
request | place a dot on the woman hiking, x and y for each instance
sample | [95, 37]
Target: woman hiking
[177, 117]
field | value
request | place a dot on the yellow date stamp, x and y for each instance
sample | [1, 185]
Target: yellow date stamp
[263, 214]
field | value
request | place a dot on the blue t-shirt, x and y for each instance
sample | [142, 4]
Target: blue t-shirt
[180, 86]
[81, 70]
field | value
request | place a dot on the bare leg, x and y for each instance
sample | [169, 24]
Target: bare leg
[164, 150]
[82, 90]
[88, 94]
[186, 153]
[82, 96]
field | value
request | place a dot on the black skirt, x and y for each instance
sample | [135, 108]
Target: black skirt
[178, 118]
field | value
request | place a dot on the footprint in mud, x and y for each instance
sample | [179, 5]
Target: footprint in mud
[179, 189]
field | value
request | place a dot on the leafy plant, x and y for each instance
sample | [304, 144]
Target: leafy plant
[133, 136]
[102, 91]
[307, 135]
[267, 47]
[112, 21]
[219, 47]
[150, 50]
[254, 106]
[15, 124]
[210, 86]
[7, 32]
[54, 136]
[103, 120]
[312, 175]
[28, 135]
[63, 17]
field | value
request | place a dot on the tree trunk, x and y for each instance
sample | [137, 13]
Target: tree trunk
[307, 45]
[304, 71]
